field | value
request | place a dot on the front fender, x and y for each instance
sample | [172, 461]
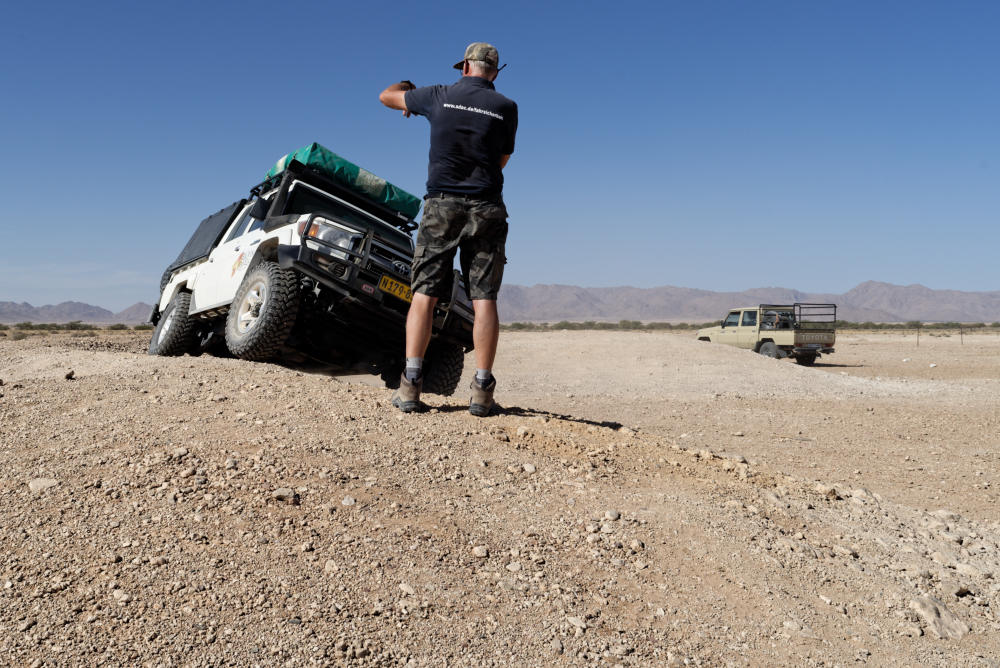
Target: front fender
[167, 296]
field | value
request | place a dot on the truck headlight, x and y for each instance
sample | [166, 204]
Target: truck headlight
[333, 234]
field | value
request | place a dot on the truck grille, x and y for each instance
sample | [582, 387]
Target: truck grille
[387, 260]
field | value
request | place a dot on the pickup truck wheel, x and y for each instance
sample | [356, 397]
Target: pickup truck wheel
[174, 332]
[443, 368]
[806, 360]
[768, 349]
[262, 315]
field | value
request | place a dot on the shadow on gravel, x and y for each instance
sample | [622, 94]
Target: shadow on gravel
[371, 380]
[517, 411]
[828, 365]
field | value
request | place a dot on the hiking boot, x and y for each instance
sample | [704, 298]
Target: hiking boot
[407, 397]
[482, 403]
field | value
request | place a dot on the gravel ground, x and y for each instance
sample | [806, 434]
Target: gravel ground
[644, 499]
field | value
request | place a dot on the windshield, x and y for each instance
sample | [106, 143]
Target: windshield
[302, 199]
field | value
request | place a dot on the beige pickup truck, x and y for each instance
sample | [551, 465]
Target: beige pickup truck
[801, 331]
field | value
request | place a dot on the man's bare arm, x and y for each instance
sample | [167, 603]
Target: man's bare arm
[503, 160]
[394, 96]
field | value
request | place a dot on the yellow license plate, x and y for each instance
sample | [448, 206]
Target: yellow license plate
[395, 288]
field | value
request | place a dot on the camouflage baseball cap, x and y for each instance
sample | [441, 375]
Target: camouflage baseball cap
[480, 51]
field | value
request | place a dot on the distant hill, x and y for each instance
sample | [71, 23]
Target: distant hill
[870, 301]
[13, 312]
[135, 314]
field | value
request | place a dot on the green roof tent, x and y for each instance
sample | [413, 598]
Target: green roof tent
[358, 179]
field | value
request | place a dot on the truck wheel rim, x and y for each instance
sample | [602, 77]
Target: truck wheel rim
[168, 321]
[250, 307]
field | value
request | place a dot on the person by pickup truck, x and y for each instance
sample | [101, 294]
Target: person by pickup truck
[472, 138]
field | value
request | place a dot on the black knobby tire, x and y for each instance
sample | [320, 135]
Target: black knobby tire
[443, 368]
[768, 349]
[806, 360]
[263, 312]
[174, 332]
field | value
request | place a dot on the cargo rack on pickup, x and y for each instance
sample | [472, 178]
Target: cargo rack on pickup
[807, 315]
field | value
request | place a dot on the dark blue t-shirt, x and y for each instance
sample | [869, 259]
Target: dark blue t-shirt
[472, 126]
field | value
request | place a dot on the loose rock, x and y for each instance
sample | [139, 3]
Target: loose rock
[286, 495]
[939, 620]
[42, 484]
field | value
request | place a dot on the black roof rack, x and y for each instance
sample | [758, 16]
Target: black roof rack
[320, 180]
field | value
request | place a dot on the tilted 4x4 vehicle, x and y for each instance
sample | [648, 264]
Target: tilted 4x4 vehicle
[313, 266]
[802, 331]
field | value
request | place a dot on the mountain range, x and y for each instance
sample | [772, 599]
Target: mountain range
[869, 301]
[13, 312]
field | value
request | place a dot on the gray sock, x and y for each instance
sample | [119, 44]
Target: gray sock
[483, 377]
[414, 369]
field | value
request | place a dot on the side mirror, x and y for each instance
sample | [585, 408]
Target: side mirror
[260, 208]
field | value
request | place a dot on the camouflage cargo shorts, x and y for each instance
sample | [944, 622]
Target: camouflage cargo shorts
[453, 223]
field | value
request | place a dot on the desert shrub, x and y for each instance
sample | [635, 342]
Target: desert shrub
[117, 326]
[83, 333]
[17, 335]
[76, 325]
[3, 327]
[143, 328]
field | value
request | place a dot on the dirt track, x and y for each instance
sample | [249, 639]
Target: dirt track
[747, 511]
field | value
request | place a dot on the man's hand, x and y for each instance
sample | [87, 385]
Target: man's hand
[394, 96]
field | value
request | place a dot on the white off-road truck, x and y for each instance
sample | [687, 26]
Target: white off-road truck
[310, 268]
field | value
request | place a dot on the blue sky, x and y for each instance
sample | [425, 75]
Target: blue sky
[716, 145]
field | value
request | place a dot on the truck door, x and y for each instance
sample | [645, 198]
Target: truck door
[220, 277]
[729, 326]
[746, 334]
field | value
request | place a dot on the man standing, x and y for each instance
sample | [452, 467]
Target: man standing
[472, 138]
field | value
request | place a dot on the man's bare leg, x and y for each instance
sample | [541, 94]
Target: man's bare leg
[419, 321]
[485, 332]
